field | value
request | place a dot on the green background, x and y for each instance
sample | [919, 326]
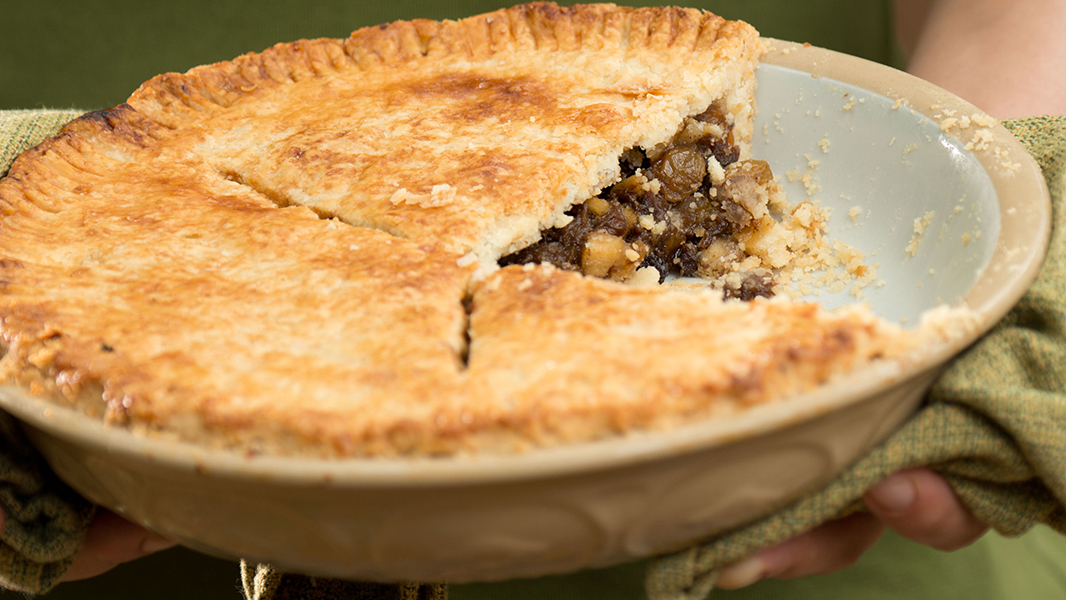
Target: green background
[93, 54]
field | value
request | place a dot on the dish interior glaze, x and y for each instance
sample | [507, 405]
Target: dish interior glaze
[919, 206]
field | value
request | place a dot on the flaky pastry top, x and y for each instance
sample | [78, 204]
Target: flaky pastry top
[295, 251]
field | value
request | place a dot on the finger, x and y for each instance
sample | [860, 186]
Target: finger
[921, 506]
[830, 547]
[111, 541]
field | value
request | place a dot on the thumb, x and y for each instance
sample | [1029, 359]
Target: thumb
[921, 506]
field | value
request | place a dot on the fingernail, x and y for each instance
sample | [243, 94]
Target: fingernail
[895, 494]
[741, 574]
[154, 543]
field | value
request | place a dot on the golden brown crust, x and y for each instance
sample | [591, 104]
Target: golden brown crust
[188, 298]
[161, 267]
[574, 358]
[415, 115]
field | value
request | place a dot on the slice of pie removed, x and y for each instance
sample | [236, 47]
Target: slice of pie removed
[298, 251]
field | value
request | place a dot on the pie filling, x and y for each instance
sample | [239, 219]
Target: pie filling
[683, 209]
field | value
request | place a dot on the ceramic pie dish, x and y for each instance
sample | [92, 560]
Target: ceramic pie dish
[950, 215]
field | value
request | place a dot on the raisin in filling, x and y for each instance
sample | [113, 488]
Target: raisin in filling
[683, 210]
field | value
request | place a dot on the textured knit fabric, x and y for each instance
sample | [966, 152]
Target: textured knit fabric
[44, 521]
[22, 129]
[992, 426]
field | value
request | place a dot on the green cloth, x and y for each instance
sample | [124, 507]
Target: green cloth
[22, 129]
[44, 520]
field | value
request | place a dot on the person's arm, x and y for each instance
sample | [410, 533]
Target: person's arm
[1007, 57]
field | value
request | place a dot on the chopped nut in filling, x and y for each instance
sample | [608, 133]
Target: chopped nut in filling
[685, 209]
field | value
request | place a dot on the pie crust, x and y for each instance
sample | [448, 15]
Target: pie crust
[295, 252]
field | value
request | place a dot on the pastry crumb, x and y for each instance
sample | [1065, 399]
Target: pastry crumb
[921, 224]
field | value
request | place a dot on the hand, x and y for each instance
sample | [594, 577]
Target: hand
[918, 504]
[110, 542]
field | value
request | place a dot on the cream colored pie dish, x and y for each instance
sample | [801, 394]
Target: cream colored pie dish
[360, 307]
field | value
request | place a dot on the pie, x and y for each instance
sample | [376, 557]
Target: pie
[426, 239]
